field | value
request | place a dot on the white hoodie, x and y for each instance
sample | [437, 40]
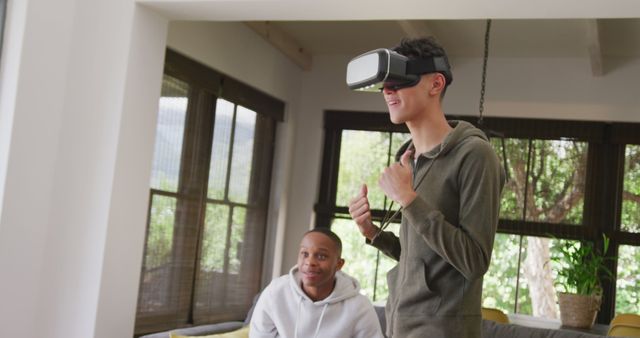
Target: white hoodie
[284, 310]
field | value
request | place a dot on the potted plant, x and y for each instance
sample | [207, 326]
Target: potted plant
[580, 266]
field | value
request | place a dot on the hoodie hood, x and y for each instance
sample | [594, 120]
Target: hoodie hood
[346, 287]
[461, 131]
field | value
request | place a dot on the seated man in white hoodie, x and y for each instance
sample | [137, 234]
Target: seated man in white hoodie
[315, 299]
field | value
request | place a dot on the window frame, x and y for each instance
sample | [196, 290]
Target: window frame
[603, 183]
[206, 86]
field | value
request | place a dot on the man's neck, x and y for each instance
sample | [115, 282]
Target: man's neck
[318, 293]
[428, 131]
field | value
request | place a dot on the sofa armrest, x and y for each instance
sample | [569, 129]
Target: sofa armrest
[200, 330]
[497, 330]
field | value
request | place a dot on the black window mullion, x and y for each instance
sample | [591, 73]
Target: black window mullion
[329, 178]
[227, 179]
[227, 202]
[607, 213]
[227, 247]
[625, 238]
[540, 229]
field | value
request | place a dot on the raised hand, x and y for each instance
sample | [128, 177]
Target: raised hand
[361, 214]
[396, 181]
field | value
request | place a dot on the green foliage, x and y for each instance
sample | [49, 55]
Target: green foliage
[361, 259]
[363, 156]
[628, 280]
[212, 256]
[581, 265]
[630, 220]
[214, 240]
[499, 289]
[555, 182]
[160, 235]
[161, 225]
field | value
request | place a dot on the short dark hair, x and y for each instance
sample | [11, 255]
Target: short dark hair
[332, 235]
[425, 47]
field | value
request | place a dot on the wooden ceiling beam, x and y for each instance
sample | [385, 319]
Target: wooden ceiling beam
[594, 47]
[415, 29]
[283, 42]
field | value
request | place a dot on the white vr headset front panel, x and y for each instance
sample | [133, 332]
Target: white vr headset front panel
[370, 71]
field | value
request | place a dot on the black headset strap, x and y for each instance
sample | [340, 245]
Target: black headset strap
[429, 65]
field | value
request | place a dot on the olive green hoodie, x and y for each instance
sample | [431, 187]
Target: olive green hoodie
[446, 239]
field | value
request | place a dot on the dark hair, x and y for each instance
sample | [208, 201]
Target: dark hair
[419, 48]
[332, 235]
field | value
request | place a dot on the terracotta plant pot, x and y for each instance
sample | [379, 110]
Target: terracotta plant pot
[578, 310]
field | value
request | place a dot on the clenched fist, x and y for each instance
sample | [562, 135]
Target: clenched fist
[396, 181]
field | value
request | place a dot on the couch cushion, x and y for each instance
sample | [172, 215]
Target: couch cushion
[497, 330]
[240, 333]
[200, 330]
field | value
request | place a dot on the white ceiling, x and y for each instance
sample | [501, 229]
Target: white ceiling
[465, 38]
[595, 29]
[345, 10]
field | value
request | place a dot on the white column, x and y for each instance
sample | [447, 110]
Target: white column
[130, 191]
[79, 102]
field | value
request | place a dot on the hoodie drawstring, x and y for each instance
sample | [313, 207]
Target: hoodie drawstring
[295, 332]
[315, 335]
[324, 309]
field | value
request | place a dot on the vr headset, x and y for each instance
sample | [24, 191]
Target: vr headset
[380, 68]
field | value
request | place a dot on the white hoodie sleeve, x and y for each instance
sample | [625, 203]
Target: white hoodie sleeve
[262, 325]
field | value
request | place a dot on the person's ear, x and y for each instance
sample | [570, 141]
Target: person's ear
[340, 264]
[437, 84]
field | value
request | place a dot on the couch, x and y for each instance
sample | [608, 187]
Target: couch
[490, 329]
[497, 330]
[202, 330]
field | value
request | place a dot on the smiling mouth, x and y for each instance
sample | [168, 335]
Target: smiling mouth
[392, 102]
[311, 274]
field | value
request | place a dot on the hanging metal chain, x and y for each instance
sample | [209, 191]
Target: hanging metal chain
[484, 69]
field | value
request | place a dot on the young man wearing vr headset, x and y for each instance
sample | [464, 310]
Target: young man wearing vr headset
[447, 181]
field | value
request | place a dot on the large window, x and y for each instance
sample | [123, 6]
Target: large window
[567, 181]
[628, 278]
[208, 199]
[546, 185]
[363, 155]
[631, 189]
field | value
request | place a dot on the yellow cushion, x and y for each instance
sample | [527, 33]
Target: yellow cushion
[624, 330]
[240, 333]
[495, 315]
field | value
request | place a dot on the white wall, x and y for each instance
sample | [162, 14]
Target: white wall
[80, 88]
[553, 88]
[234, 49]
